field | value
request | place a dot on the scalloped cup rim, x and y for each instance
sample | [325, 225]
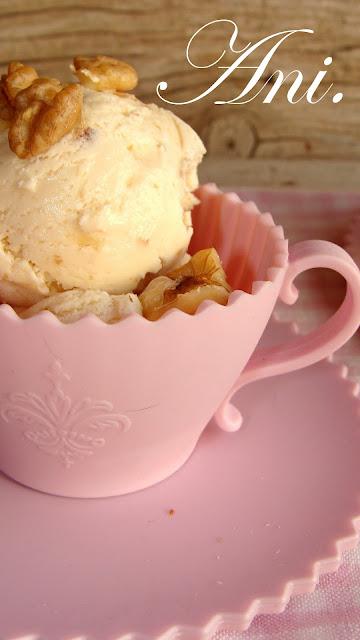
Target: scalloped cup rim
[280, 256]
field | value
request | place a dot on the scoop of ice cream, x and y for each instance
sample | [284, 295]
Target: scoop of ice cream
[70, 306]
[102, 207]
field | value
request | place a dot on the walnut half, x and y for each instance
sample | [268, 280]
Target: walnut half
[103, 73]
[41, 124]
[44, 89]
[201, 278]
[19, 77]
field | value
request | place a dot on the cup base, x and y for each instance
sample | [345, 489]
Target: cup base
[105, 492]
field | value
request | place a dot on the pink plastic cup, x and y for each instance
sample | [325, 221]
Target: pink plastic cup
[92, 410]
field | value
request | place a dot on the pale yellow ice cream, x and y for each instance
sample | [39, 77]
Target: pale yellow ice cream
[102, 207]
[70, 306]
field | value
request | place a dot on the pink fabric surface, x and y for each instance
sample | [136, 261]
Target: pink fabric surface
[332, 612]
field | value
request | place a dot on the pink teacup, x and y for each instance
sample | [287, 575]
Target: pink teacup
[90, 409]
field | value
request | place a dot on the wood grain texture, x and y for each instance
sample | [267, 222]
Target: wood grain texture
[153, 35]
[320, 175]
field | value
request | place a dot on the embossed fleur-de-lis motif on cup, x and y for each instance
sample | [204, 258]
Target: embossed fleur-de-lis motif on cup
[66, 430]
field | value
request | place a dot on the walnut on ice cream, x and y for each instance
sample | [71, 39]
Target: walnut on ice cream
[41, 124]
[103, 73]
[18, 77]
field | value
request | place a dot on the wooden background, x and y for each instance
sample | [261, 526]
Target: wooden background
[278, 144]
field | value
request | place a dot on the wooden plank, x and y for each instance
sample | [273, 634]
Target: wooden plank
[319, 175]
[153, 34]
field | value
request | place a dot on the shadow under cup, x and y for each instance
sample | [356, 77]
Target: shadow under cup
[94, 410]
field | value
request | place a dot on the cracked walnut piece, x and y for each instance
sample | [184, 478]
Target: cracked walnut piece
[19, 77]
[41, 124]
[201, 278]
[6, 110]
[44, 89]
[103, 73]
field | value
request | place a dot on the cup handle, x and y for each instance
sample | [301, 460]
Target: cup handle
[318, 344]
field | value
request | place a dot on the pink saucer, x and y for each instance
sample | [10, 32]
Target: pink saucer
[253, 518]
